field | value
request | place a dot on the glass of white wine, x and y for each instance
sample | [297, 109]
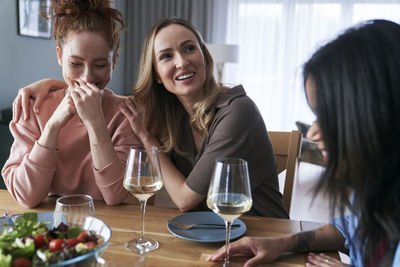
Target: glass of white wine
[229, 194]
[143, 179]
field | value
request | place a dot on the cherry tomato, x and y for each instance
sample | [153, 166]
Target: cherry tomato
[90, 245]
[56, 244]
[83, 237]
[21, 262]
[41, 240]
[71, 242]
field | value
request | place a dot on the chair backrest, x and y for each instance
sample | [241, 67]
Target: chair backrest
[286, 147]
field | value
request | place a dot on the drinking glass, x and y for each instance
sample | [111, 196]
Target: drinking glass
[229, 194]
[143, 180]
[75, 208]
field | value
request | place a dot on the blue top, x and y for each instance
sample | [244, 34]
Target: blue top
[348, 227]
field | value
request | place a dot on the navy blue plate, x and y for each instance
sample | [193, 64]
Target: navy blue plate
[202, 234]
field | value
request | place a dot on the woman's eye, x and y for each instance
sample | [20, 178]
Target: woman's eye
[190, 48]
[75, 64]
[165, 56]
[101, 65]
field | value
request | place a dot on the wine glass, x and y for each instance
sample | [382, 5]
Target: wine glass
[229, 194]
[75, 208]
[143, 180]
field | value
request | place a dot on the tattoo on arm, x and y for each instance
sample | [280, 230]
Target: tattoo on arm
[303, 241]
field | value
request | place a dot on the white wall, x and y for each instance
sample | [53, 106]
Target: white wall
[25, 59]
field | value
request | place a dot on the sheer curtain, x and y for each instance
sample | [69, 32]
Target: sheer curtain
[276, 37]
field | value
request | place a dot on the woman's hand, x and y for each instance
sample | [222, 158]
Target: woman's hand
[323, 260]
[264, 250]
[134, 113]
[87, 101]
[37, 90]
[64, 112]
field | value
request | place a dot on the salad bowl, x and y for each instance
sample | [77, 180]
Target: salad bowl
[88, 224]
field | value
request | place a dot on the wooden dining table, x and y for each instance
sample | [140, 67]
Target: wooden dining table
[125, 223]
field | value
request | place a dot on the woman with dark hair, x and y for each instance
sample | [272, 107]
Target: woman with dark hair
[79, 141]
[353, 86]
[180, 108]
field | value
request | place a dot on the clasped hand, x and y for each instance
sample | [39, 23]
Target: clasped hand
[133, 111]
[85, 101]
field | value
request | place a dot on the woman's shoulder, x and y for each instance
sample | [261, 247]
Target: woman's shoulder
[111, 105]
[235, 111]
[51, 101]
[396, 259]
[112, 101]
[55, 95]
[110, 97]
[235, 100]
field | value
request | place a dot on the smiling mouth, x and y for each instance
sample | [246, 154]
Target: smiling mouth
[185, 76]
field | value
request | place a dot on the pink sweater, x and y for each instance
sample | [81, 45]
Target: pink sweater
[32, 172]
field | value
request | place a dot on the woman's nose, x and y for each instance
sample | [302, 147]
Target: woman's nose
[314, 133]
[88, 76]
[180, 61]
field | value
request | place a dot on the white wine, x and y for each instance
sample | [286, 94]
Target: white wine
[143, 187]
[229, 206]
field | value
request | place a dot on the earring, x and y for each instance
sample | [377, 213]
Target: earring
[159, 81]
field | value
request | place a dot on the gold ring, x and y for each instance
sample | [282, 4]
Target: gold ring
[326, 260]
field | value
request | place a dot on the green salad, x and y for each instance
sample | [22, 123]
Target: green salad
[29, 242]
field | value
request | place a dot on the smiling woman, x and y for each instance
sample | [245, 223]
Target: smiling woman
[180, 64]
[179, 107]
[79, 141]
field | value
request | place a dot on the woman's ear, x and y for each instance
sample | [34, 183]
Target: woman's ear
[115, 58]
[157, 77]
[59, 56]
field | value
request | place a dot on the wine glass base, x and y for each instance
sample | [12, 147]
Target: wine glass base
[147, 244]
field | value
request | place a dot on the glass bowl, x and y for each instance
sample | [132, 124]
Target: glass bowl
[88, 223]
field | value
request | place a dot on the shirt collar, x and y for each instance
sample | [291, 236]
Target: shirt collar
[226, 97]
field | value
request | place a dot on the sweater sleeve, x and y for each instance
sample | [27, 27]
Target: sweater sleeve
[30, 168]
[110, 179]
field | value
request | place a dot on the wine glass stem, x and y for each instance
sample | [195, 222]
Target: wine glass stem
[227, 243]
[143, 211]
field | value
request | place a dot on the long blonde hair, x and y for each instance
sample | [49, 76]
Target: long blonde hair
[163, 112]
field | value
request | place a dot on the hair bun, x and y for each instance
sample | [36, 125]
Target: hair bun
[76, 8]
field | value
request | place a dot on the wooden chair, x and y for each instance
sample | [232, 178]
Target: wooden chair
[286, 147]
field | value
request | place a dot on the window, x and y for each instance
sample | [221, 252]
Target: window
[276, 37]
